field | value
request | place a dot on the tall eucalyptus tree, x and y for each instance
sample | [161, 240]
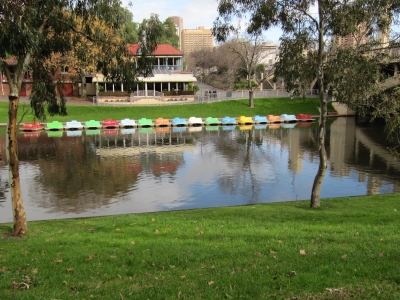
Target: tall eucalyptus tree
[309, 49]
[31, 31]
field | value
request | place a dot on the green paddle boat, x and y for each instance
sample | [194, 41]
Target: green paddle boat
[54, 126]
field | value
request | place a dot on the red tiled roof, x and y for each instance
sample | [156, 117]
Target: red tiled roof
[12, 61]
[161, 49]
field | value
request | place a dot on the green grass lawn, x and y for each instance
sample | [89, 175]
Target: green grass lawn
[347, 249]
[233, 108]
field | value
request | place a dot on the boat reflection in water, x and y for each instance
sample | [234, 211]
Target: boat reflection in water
[115, 171]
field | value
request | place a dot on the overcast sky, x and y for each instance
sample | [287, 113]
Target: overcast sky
[195, 13]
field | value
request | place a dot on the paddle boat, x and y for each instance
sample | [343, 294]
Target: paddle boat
[92, 124]
[260, 119]
[228, 121]
[144, 122]
[127, 123]
[210, 121]
[110, 123]
[161, 122]
[32, 126]
[54, 126]
[304, 118]
[274, 119]
[73, 125]
[178, 122]
[193, 121]
[288, 118]
[245, 120]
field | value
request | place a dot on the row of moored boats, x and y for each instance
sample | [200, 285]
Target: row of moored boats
[161, 122]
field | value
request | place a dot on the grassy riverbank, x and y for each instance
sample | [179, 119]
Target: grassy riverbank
[234, 108]
[347, 249]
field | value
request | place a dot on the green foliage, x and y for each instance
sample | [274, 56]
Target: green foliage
[33, 31]
[100, 88]
[165, 32]
[347, 250]
[260, 68]
[193, 87]
[298, 69]
[355, 75]
[129, 29]
[244, 85]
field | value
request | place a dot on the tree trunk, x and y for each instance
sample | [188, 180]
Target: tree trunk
[316, 189]
[19, 214]
[251, 92]
[251, 99]
[315, 200]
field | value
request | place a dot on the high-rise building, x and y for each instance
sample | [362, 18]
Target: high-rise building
[353, 40]
[178, 21]
[197, 39]
[350, 40]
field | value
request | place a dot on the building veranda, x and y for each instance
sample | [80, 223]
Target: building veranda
[169, 82]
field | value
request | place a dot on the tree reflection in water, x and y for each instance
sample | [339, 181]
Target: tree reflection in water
[167, 169]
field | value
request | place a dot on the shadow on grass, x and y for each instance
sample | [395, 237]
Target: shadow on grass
[6, 231]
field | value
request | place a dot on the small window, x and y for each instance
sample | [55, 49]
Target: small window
[64, 69]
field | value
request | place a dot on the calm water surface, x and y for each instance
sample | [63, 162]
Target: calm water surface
[93, 173]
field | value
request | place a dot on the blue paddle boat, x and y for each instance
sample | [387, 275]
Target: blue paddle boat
[228, 121]
[260, 119]
[288, 118]
[178, 122]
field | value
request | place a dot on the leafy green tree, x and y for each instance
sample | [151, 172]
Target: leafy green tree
[351, 73]
[170, 36]
[129, 29]
[31, 32]
[165, 31]
[297, 66]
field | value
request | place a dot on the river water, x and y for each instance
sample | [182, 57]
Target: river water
[107, 172]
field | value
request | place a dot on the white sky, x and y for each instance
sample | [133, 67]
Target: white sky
[195, 13]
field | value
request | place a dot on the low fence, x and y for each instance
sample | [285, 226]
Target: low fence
[212, 96]
[201, 97]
